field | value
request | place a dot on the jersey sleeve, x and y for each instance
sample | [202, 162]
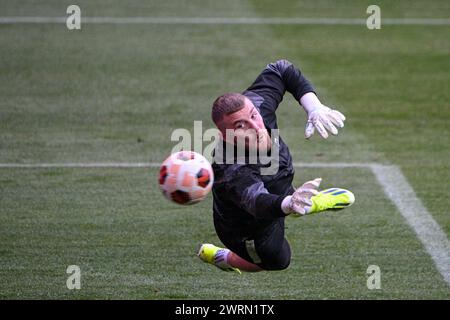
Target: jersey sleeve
[273, 82]
[245, 189]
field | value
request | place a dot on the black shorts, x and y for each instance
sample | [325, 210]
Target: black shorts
[267, 248]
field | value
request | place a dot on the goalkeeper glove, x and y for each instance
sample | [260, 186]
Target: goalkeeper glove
[320, 117]
[300, 201]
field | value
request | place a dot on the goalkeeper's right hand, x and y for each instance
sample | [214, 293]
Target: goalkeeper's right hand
[300, 200]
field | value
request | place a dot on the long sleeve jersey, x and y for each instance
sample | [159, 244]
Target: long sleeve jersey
[244, 200]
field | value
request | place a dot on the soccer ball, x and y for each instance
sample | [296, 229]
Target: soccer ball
[186, 177]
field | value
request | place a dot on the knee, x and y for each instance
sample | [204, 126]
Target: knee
[279, 261]
[282, 264]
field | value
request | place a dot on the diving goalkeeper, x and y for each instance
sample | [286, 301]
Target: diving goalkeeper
[249, 207]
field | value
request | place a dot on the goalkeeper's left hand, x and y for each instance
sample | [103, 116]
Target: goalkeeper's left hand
[320, 117]
[300, 200]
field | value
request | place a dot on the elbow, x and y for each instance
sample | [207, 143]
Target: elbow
[279, 66]
[284, 63]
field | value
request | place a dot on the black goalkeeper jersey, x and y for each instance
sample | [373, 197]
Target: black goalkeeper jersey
[244, 200]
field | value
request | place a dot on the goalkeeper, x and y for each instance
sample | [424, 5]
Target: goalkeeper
[250, 208]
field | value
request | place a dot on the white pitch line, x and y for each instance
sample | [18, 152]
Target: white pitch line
[83, 165]
[427, 229]
[224, 20]
[333, 164]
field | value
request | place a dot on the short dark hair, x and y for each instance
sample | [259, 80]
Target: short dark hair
[226, 104]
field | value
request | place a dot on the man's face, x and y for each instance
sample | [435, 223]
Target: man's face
[247, 125]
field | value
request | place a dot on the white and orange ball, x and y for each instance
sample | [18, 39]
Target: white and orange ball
[186, 177]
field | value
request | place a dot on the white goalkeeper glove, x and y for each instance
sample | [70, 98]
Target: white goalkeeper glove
[300, 201]
[320, 117]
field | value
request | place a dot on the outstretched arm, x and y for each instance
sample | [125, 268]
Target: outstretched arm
[277, 78]
[245, 189]
[282, 76]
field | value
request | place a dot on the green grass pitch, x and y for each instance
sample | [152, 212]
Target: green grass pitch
[115, 93]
